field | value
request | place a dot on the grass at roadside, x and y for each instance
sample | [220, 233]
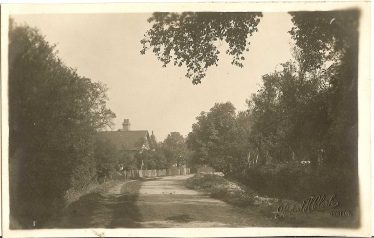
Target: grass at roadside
[222, 189]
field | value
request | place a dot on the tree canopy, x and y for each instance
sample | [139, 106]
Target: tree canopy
[328, 43]
[289, 116]
[305, 111]
[217, 139]
[191, 38]
[175, 149]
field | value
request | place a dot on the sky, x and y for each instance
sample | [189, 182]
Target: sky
[106, 48]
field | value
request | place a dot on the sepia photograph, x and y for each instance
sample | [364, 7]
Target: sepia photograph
[198, 116]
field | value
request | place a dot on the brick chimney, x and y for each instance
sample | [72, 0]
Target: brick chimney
[126, 125]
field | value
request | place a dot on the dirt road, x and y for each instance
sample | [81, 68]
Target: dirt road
[160, 202]
[166, 202]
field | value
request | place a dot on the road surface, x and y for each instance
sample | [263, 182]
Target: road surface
[161, 202]
[166, 202]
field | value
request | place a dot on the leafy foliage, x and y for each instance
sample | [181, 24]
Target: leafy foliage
[53, 116]
[324, 36]
[191, 38]
[289, 116]
[172, 151]
[106, 155]
[307, 111]
[151, 160]
[175, 149]
[328, 42]
[217, 139]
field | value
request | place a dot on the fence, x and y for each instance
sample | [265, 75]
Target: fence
[134, 174]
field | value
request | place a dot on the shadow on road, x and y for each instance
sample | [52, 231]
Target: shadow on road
[126, 213]
[102, 210]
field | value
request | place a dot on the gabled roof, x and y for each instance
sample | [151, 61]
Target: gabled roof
[129, 140]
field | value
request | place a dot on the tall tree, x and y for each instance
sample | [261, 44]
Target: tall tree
[215, 139]
[175, 149]
[329, 43]
[289, 116]
[53, 116]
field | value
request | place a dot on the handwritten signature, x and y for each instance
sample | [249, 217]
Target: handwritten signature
[313, 203]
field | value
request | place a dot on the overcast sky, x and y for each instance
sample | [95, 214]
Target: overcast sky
[105, 47]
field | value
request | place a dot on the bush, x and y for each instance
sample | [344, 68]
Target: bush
[296, 182]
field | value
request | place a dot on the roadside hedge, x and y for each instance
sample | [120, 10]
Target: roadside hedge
[53, 116]
[298, 182]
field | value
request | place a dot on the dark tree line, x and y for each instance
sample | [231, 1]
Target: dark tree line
[53, 116]
[334, 35]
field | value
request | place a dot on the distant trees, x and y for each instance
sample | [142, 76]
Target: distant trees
[217, 139]
[172, 151]
[175, 149]
[53, 116]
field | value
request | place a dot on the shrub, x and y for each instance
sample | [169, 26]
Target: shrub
[297, 182]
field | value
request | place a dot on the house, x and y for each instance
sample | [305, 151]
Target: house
[124, 139]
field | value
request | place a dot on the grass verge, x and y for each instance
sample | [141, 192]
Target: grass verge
[222, 189]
